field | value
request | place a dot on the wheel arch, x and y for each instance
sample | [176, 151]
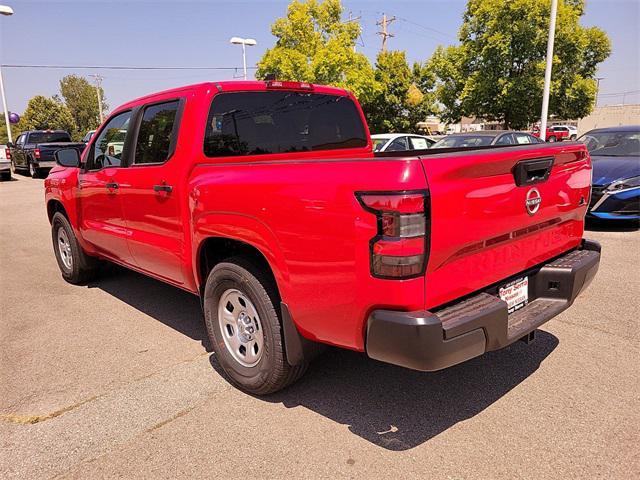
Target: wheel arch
[54, 206]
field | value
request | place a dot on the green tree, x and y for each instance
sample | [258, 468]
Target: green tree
[44, 113]
[81, 100]
[497, 71]
[403, 97]
[315, 45]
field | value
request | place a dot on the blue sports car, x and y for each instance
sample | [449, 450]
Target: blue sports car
[615, 152]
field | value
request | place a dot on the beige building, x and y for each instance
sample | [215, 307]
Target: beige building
[610, 116]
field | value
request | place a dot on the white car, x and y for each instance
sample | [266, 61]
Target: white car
[5, 163]
[573, 131]
[400, 142]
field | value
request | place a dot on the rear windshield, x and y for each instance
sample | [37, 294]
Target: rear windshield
[49, 137]
[254, 123]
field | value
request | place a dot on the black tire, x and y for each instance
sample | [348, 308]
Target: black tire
[272, 372]
[573, 138]
[83, 267]
[551, 139]
[6, 175]
[33, 170]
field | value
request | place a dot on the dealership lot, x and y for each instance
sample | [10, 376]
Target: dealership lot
[116, 379]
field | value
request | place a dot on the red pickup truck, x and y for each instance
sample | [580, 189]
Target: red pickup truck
[266, 200]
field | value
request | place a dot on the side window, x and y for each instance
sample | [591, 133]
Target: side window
[523, 138]
[506, 139]
[398, 145]
[20, 140]
[153, 144]
[107, 149]
[419, 143]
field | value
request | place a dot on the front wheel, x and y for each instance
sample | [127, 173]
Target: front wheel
[76, 266]
[243, 322]
[551, 139]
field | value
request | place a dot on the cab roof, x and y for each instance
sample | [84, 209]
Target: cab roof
[233, 86]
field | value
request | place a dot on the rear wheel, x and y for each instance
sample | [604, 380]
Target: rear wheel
[75, 265]
[243, 322]
[33, 170]
[6, 175]
[551, 139]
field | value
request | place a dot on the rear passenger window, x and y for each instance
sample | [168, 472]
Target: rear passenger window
[254, 123]
[156, 133]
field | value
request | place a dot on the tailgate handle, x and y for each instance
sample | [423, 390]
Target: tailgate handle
[530, 172]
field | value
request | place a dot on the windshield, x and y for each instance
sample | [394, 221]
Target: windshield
[463, 141]
[612, 144]
[49, 137]
[378, 143]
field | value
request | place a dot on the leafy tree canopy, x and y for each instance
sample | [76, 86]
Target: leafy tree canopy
[497, 71]
[315, 45]
[81, 100]
[403, 97]
[44, 113]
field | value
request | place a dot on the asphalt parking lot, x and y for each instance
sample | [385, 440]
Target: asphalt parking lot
[116, 379]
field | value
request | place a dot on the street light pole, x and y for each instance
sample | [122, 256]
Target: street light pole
[5, 10]
[244, 42]
[547, 71]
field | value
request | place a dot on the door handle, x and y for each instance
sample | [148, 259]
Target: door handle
[162, 188]
[112, 185]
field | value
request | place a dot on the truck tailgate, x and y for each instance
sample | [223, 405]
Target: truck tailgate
[481, 229]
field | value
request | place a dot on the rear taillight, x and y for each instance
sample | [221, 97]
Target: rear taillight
[36, 153]
[7, 153]
[399, 250]
[275, 84]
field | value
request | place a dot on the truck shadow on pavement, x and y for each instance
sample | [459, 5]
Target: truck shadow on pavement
[392, 407]
[175, 308]
[399, 409]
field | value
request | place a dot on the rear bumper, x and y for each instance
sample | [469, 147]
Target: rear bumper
[5, 165]
[431, 341]
[45, 163]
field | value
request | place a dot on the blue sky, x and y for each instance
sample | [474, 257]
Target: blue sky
[188, 33]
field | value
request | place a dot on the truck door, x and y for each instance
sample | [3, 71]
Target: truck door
[17, 153]
[99, 185]
[154, 191]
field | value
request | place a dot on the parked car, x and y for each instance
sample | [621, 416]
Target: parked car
[573, 131]
[267, 201]
[483, 138]
[88, 136]
[555, 133]
[5, 163]
[33, 150]
[399, 142]
[615, 153]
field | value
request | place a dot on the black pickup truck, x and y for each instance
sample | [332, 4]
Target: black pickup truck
[33, 150]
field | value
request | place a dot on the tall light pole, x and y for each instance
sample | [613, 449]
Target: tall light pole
[244, 42]
[5, 10]
[547, 70]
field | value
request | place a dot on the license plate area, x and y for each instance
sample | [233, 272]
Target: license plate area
[515, 293]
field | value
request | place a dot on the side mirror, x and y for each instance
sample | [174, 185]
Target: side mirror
[67, 157]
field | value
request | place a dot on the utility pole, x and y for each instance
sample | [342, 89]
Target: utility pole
[547, 70]
[595, 103]
[353, 19]
[98, 80]
[384, 23]
[6, 109]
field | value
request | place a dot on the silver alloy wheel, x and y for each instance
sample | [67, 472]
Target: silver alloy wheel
[64, 247]
[32, 170]
[241, 328]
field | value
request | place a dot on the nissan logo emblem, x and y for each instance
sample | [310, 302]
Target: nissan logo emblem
[533, 201]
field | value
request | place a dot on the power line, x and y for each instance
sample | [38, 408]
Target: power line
[117, 67]
[425, 27]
